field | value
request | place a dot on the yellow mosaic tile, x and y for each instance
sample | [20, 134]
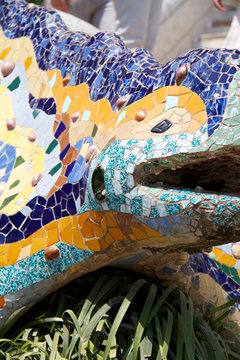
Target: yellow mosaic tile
[78, 240]
[39, 244]
[195, 104]
[4, 260]
[66, 235]
[184, 90]
[52, 236]
[194, 126]
[86, 238]
[201, 117]
[13, 252]
[173, 90]
[217, 252]
[28, 62]
[183, 99]
[28, 241]
[43, 86]
[150, 232]
[64, 223]
[24, 252]
[227, 259]
[22, 50]
[160, 94]
[96, 216]
[41, 233]
[4, 53]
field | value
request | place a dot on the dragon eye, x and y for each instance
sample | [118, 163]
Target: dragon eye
[98, 185]
[162, 126]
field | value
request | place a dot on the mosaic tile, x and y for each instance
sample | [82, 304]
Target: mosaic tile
[82, 174]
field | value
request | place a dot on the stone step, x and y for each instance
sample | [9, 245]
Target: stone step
[213, 39]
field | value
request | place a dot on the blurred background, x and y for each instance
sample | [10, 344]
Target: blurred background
[183, 25]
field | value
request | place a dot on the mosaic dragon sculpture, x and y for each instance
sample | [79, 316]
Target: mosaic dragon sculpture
[108, 157]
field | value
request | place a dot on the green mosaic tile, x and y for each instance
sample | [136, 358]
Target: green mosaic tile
[94, 130]
[232, 111]
[225, 268]
[15, 183]
[35, 113]
[236, 278]
[19, 161]
[55, 169]
[14, 84]
[233, 100]
[51, 146]
[7, 201]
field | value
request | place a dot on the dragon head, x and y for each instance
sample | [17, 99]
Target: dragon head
[164, 167]
[103, 148]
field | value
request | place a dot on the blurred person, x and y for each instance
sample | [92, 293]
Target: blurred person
[218, 4]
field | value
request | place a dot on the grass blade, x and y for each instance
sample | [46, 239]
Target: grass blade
[143, 319]
[54, 347]
[120, 314]
[187, 325]
[167, 335]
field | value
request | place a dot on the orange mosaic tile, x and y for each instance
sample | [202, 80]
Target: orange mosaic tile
[28, 62]
[4, 53]
[195, 104]
[173, 90]
[2, 302]
[227, 259]
[183, 99]
[78, 239]
[93, 245]
[86, 230]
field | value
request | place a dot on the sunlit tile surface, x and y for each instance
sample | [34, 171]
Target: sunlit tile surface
[87, 126]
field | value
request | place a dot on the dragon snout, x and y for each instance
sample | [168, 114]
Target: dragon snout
[218, 174]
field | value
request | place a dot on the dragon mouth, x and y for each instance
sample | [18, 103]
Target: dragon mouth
[202, 173]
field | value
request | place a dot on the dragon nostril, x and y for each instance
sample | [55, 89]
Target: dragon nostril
[98, 185]
[162, 126]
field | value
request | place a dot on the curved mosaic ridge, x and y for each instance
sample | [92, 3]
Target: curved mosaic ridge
[95, 61]
[106, 155]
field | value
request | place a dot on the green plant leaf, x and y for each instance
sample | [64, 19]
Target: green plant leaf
[167, 336]
[95, 295]
[187, 326]
[11, 320]
[180, 339]
[143, 319]
[121, 312]
[54, 347]
[160, 301]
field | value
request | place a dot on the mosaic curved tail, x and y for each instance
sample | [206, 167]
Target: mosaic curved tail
[106, 156]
